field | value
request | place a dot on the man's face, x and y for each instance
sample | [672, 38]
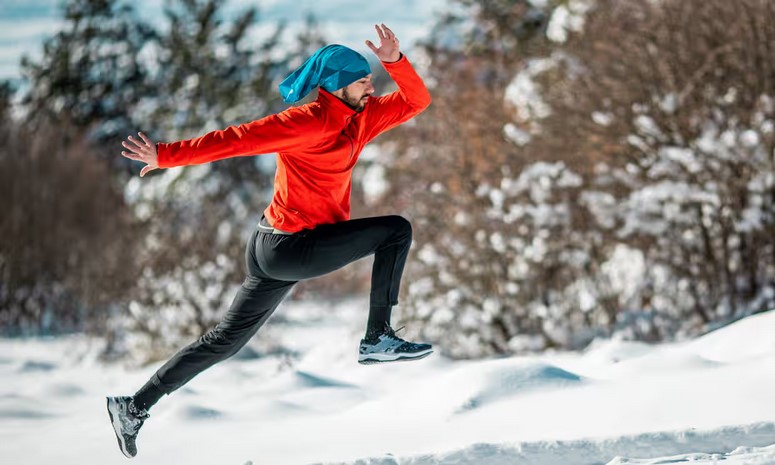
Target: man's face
[356, 94]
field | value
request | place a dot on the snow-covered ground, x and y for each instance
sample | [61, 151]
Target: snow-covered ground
[707, 401]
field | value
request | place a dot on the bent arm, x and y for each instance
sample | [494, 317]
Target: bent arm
[285, 131]
[411, 98]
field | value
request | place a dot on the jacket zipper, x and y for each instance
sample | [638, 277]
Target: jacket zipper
[352, 143]
[352, 149]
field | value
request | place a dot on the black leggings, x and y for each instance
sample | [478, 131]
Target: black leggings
[275, 263]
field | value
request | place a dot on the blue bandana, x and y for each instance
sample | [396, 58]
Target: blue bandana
[332, 67]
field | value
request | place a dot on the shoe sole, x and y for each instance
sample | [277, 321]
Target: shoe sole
[374, 361]
[113, 409]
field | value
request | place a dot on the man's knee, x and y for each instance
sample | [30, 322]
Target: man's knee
[401, 226]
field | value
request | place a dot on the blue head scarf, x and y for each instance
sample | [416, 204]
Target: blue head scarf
[332, 67]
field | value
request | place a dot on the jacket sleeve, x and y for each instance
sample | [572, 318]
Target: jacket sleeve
[286, 131]
[411, 98]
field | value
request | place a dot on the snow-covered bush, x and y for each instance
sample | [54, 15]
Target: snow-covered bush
[171, 310]
[673, 105]
[626, 187]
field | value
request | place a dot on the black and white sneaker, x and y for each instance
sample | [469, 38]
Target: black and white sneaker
[387, 347]
[126, 420]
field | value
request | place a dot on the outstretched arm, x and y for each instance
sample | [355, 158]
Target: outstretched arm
[143, 151]
[292, 129]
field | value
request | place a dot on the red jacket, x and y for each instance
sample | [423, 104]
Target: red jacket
[317, 145]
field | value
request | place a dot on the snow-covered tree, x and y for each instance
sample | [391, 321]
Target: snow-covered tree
[672, 102]
[625, 187]
[91, 72]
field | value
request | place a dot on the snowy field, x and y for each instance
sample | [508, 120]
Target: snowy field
[708, 401]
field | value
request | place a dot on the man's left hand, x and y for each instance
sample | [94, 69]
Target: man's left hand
[388, 45]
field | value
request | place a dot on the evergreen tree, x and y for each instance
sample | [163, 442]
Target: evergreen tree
[91, 73]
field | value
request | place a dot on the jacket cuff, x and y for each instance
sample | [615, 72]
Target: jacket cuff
[400, 59]
[163, 155]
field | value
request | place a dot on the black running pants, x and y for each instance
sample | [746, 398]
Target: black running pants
[275, 262]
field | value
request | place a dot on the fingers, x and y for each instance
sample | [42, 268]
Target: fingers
[144, 147]
[371, 45]
[132, 156]
[135, 145]
[133, 148]
[384, 32]
[386, 35]
[143, 150]
[141, 144]
[389, 33]
[145, 139]
[380, 33]
[145, 143]
[146, 169]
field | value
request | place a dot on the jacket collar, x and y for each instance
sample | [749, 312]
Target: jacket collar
[337, 111]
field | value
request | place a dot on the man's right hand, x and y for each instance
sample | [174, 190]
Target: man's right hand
[143, 151]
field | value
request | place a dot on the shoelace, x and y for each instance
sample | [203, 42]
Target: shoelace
[141, 415]
[392, 332]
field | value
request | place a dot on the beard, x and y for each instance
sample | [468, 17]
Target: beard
[357, 103]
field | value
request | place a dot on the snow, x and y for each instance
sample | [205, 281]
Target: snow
[704, 401]
[625, 268]
[375, 183]
[516, 135]
[523, 93]
[567, 18]
[603, 118]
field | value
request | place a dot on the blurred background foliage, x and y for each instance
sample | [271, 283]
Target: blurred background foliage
[588, 168]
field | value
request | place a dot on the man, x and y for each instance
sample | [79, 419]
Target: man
[306, 231]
